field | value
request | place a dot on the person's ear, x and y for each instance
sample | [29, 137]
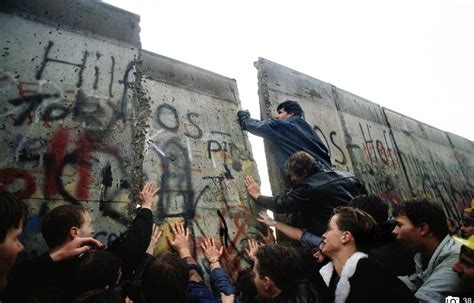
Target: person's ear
[424, 229]
[346, 237]
[74, 232]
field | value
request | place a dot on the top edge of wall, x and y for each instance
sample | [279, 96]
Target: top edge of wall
[80, 15]
[295, 84]
[172, 71]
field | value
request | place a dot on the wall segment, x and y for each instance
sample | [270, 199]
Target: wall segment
[397, 157]
[87, 117]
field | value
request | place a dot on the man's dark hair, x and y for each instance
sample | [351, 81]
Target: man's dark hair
[360, 224]
[372, 205]
[100, 296]
[58, 222]
[13, 212]
[281, 263]
[291, 107]
[245, 286]
[97, 269]
[165, 279]
[422, 211]
[300, 163]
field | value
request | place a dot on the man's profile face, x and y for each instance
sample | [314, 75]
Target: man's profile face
[259, 281]
[86, 229]
[465, 265]
[406, 232]
[282, 114]
[9, 249]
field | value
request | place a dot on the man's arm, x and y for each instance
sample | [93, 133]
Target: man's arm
[283, 203]
[289, 231]
[220, 282]
[256, 127]
[132, 245]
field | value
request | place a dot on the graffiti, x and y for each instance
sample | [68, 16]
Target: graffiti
[384, 152]
[10, 176]
[62, 144]
[47, 59]
[167, 117]
[332, 136]
[52, 103]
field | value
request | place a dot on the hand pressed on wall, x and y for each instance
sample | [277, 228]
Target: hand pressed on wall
[210, 250]
[147, 195]
[252, 249]
[181, 240]
[265, 219]
[252, 187]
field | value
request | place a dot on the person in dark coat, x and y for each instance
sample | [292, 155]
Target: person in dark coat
[387, 251]
[317, 191]
[351, 276]
[65, 224]
[288, 132]
[279, 276]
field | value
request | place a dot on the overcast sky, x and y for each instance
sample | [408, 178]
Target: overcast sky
[411, 56]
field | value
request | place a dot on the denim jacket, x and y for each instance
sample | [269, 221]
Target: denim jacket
[438, 280]
[288, 137]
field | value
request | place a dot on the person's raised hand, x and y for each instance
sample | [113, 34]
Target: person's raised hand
[181, 240]
[147, 194]
[252, 187]
[252, 249]
[210, 250]
[264, 218]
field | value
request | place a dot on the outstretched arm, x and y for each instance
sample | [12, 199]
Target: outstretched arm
[256, 127]
[220, 281]
[289, 231]
[180, 244]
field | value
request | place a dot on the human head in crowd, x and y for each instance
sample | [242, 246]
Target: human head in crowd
[349, 230]
[97, 269]
[100, 296]
[465, 265]
[13, 216]
[300, 165]
[419, 221]
[64, 223]
[467, 225]
[287, 109]
[165, 279]
[372, 205]
[245, 286]
[276, 268]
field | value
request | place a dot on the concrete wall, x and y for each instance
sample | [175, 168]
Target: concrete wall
[397, 157]
[87, 117]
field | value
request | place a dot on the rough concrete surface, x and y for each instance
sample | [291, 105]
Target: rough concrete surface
[88, 117]
[397, 157]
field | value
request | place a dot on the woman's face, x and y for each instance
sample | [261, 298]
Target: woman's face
[332, 238]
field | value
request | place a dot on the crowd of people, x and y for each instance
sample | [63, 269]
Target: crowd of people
[344, 245]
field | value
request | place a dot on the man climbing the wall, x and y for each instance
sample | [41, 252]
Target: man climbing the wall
[289, 133]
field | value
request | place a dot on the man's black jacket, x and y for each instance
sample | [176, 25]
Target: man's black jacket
[315, 197]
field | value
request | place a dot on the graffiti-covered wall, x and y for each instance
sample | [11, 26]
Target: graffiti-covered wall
[87, 117]
[396, 156]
